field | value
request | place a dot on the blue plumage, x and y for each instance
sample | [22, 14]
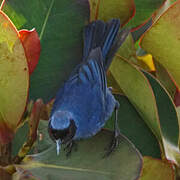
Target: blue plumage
[84, 103]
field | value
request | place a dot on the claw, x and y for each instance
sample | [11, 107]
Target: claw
[113, 145]
[69, 147]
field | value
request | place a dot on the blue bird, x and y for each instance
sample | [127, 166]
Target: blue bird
[84, 103]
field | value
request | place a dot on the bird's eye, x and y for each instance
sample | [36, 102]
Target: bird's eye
[62, 134]
[55, 134]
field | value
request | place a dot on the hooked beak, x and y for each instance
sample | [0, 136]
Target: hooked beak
[58, 146]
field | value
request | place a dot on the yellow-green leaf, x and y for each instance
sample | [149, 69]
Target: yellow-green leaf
[106, 10]
[87, 162]
[14, 79]
[157, 169]
[137, 88]
[152, 102]
[164, 77]
[162, 41]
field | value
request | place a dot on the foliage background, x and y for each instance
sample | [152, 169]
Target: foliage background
[144, 76]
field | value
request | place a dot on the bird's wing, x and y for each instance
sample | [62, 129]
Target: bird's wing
[91, 71]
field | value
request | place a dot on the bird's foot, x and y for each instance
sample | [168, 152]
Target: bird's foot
[69, 146]
[113, 145]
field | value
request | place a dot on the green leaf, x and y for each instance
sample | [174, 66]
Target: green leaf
[127, 49]
[167, 116]
[166, 111]
[161, 10]
[60, 25]
[162, 41]
[162, 119]
[134, 128]
[106, 10]
[166, 80]
[155, 168]
[19, 138]
[137, 88]
[138, 32]
[88, 162]
[44, 142]
[14, 78]
[144, 10]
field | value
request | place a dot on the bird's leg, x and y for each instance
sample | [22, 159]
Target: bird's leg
[115, 140]
[69, 145]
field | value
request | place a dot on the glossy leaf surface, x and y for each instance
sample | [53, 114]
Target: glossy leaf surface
[87, 162]
[59, 25]
[162, 41]
[137, 88]
[157, 169]
[31, 44]
[14, 79]
[144, 10]
[134, 128]
[106, 10]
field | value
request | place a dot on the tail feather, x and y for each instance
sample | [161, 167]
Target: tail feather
[105, 36]
[93, 36]
[120, 38]
[110, 35]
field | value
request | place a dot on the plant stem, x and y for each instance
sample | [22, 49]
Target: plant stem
[32, 135]
[5, 154]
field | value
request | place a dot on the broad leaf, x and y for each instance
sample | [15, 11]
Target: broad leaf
[144, 10]
[168, 118]
[162, 41]
[136, 87]
[162, 9]
[163, 118]
[139, 31]
[19, 138]
[127, 49]
[14, 79]
[31, 44]
[166, 111]
[87, 162]
[59, 25]
[134, 128]
[106, 10]
[166, 80]
[157, 169]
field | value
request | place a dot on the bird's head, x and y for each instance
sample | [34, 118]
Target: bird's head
[61, 128]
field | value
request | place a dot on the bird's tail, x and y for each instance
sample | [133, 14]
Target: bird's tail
[106, 36]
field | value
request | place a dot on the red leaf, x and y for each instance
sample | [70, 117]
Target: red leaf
[6, 134]
[31, 44]
[177, 98]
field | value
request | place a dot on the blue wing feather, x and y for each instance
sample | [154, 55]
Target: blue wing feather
[91, 71]
[85, 95]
